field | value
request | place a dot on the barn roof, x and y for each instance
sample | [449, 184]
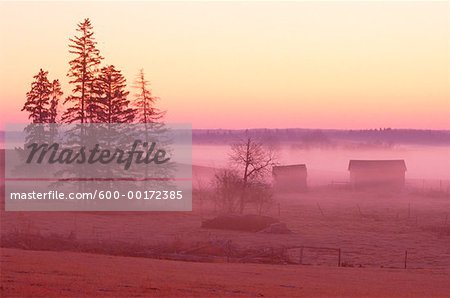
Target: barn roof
[289, 168]
[398, 164]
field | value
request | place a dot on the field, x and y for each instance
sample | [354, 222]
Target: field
[49, 274]
[343, 242]
[372, 231]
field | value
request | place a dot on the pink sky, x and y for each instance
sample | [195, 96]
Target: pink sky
[248, 64]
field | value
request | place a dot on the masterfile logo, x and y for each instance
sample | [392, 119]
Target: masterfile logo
[50, 153]
[107, 167]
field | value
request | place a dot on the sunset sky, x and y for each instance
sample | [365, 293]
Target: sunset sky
[250, 64]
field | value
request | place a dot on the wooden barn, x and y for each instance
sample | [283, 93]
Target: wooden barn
[377, 173]
[290, 178]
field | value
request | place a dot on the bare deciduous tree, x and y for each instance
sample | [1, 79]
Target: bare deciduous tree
[254, 159]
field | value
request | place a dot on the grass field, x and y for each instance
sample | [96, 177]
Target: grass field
[96, 253]
[62, 274]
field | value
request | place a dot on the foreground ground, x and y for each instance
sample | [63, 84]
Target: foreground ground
[38, 273]
[372, 231]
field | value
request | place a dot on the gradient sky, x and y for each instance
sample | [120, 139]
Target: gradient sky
[250, 64]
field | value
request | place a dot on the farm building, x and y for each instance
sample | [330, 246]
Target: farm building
[290, 178]
[377, 173]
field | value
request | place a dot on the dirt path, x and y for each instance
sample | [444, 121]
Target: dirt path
[33, 273]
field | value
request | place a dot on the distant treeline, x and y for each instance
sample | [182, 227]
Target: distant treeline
[385, 137]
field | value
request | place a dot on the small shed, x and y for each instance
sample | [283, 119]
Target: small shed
[377, 173]
[289, 178]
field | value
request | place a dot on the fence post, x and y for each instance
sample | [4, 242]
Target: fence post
[320, 209]
[272, 255]
[359, 210]
[228, 250]
[301, 255]
[339, 259]
[406, 257]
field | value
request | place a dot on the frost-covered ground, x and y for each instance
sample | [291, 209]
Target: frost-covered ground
[68, 274]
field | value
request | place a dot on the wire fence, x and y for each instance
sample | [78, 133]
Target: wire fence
[437, 186]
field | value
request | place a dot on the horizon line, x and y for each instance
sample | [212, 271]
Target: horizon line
[304, 128]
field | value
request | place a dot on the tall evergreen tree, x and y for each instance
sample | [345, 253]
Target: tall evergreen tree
[145, 101]
[94, 106]
[55, 96]
[82, 73]
[115, 107]
[41, 104]
[38, 98]
[154, 129]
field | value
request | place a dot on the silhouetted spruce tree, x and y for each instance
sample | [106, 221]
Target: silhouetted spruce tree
[115, 107]
[80, 111]
[154, 130]
[40, 104]
[145, 101]
[82, 73]
[38, 98]
[55, 96]
[93, 98]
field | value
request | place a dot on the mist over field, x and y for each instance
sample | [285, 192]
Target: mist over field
[325, 165]
[327, 154]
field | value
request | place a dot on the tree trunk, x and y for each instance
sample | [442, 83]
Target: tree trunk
[244, 186]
